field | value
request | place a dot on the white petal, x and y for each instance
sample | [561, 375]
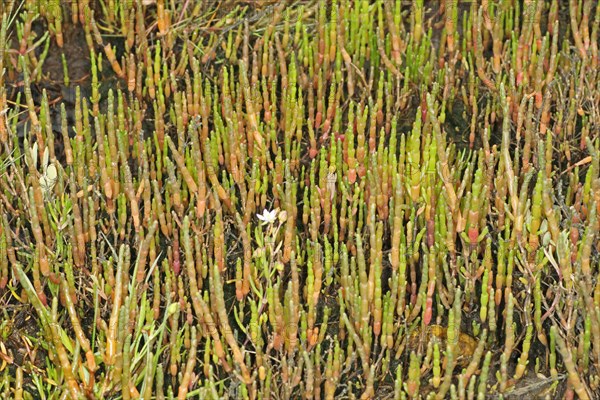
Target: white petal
[34, 154]
[51, 172]
[44, 183]
[45, 159]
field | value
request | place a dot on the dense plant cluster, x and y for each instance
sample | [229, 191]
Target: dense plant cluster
[317, 199]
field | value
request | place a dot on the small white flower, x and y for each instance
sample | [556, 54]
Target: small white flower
[268, 217]
[49, 176]
[49, 173]
[48, 179]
